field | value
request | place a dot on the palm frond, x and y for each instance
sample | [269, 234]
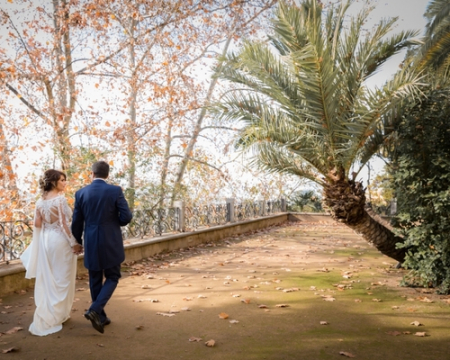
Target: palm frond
[302, 95]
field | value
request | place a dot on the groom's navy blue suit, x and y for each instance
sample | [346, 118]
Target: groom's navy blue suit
[100, 210]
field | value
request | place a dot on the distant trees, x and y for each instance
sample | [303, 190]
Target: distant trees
[305, 201]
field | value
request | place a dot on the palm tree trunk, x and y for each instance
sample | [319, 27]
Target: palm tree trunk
[380, 236]
[346, 201]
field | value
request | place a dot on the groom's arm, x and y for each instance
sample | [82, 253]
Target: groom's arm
[77, 220]
[125, 214]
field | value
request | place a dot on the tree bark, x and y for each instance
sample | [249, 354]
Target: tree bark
[346, 200]
[380, 236]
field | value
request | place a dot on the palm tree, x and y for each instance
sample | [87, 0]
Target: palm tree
[434, 54]
[305, 107]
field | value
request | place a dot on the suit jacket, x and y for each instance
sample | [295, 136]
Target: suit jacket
[100, 210]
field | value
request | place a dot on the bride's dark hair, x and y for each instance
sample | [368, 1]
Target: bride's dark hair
[49, 180]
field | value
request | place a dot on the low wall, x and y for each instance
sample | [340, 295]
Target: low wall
[12, 276]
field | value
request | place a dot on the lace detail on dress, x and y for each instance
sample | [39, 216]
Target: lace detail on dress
[55, 214]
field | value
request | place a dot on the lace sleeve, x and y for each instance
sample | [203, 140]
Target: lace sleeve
[64, 215]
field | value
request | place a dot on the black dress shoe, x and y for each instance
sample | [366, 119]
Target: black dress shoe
[95, 320]
[107, 321]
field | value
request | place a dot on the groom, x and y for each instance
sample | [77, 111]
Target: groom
[100, 210]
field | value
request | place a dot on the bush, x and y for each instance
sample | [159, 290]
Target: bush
[421, 175]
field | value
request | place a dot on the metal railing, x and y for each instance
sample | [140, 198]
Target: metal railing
[206, 215]
[16, 235]
[14, 238]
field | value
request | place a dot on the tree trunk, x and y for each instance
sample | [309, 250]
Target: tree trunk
[346, 201]
[131, 128]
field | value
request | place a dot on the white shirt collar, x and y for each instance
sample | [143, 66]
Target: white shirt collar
[99, 179]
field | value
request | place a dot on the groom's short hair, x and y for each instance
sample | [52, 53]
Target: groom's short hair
[100, 169]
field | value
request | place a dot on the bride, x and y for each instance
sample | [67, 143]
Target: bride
[51, 257]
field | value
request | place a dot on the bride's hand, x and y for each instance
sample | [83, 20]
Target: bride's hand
[77, 249]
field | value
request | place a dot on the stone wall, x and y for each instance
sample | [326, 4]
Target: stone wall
[12, 276]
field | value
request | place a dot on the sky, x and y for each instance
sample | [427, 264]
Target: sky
[410, 17]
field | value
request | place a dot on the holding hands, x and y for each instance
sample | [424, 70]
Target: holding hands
[77, 249]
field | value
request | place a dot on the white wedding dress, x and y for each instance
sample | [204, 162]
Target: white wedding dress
[50, 259]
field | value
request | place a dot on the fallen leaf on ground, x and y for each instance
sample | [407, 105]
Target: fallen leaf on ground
[13, 349]
[324, 270]
[344, 353]
[416, 323]
[427, 300]
[146, 287]
[139, 327]
[185, 309]
[282, 305]
[236, 295]
[14, 330]
[223, 315]
[290, 290]
[420, 334]
[165, 314]
[395, 307]
[328, 298]
[358, 300]
[262, 306]
[100, 345]
[246, 301]
[324, 323]
[210, 343]
[187, 299]
[201, 296]
[234, 321]
[394, 333]
[377, 300]
[192, 339]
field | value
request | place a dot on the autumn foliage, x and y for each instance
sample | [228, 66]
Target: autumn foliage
[125, 81]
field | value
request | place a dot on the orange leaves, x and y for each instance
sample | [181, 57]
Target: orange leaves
[210, 343]
[223, 316]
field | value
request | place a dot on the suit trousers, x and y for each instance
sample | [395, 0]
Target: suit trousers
[101, 291]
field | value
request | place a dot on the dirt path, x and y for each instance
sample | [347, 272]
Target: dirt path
[260, 296]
